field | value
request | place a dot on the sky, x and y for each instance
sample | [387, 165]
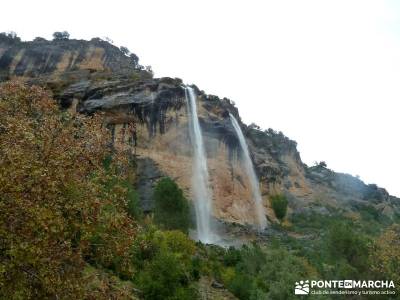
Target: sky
[325, 73]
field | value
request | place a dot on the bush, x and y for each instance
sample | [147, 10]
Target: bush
[171, 207]
[349, 247]
[167, 264]
[279, 205]
[266, 273]
[165, 278]
[232, 256]
[134, 209]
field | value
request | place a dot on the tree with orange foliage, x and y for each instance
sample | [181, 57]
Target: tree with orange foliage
[54, 198]
[385, 257]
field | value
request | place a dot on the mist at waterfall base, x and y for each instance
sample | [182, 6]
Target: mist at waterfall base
[250, 172]
[200, 177]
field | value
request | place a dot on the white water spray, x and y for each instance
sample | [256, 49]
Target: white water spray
[249, 169]
[200, 179]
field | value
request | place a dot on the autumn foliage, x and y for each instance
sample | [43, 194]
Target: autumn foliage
[57, 207]
[71, 226]
[386, 255]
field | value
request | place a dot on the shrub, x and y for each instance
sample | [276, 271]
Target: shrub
[134, 209]
[241, 286]
[171, 207]
[167, 264]
[346, 245]
[232, 256]
[279, 205]
[267, 273]
[163, 277]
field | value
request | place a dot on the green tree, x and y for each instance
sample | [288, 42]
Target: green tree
[348, 249]
[268, 273]
[60, 35]
[279, 205]
[10, 37]
[171, 207]
[166, 261]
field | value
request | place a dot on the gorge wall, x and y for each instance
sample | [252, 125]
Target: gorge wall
[149, 117]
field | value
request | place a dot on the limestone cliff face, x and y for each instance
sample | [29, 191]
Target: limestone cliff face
[54, 57]
[149, 116]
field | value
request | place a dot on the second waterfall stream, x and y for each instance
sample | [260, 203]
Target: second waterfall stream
[250, 172]
[200, 178]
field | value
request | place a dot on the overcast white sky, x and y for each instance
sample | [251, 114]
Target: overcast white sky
[326, 73]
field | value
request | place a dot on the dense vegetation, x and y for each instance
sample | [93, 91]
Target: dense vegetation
[326, 247]
[171, 207]
[71, 226]
[57, 206]
[279, 204]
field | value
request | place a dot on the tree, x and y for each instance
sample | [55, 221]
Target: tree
[134, 58]
[10, 36]
[279, 205]
[348, 249]
[149, 69]
[60, 35]
[254, 126]
[171, 207]
[385, 256]
[267, 273]
[53, 198]
[125, 50]
[39, 39]
[321, 164]
[107, 39]
[166, 263]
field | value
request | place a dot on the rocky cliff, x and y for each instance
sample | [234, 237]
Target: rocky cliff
[149, 116]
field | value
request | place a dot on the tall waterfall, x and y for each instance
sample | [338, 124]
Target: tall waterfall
[249, 169]
[200, 179]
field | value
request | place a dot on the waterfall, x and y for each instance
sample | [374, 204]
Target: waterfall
[249, 169]
[200, 179]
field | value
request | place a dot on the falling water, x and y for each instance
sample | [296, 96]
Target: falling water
[249, 169]
[200, 180]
